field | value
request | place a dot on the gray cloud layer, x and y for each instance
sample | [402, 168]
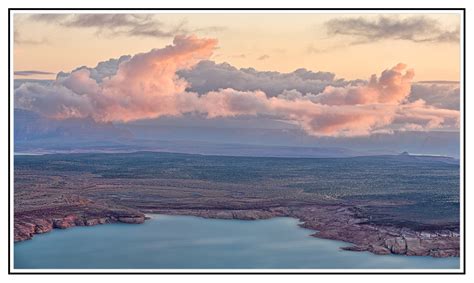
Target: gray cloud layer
[32, 73]
[441, 95]
[209, 76]
[137, 25]
[104, 69]
[415, 28]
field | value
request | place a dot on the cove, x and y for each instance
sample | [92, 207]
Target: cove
[177, 242]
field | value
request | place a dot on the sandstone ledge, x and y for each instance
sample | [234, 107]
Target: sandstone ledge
[25, 228]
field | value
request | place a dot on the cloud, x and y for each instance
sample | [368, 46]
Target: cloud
[53, 100]
[420, 116]
[32, 73]
[438, 94]
[151, 85]
[103, 69]
[143, 25]
[415, 29]
[136, 25]
[263, 57]
[391, 88]
[144, 86]
[49, 17]
[438, 82]
[209, 76]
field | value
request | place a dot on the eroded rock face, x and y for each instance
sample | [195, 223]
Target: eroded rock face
[380, 250]
[78, 212]
[24, 230]
[132, 220]
[43, 226]
[415, 247]
[344, 225]
[396, 245]
[444, 253]
[66, 222]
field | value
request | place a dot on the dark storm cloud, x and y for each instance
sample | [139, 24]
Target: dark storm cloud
[415, 29]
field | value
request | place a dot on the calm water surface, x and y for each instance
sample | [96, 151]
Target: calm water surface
[192, 242]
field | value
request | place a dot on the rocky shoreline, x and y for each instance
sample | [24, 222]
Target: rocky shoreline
[334, 222]
[25, 229]
[341, 223]
[70, 211]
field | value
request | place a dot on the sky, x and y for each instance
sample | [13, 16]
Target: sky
[273, 42]
[339, 75]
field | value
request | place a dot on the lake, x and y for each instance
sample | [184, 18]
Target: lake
[176, 242]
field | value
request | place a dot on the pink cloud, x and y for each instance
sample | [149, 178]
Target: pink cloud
[147, 86]
[392, 87]
[426, 116]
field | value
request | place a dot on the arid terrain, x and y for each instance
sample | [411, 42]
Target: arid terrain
[383, 204]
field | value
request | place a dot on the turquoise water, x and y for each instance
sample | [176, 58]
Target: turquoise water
[192, 242]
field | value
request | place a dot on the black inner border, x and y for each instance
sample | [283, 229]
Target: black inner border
[463, 272]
